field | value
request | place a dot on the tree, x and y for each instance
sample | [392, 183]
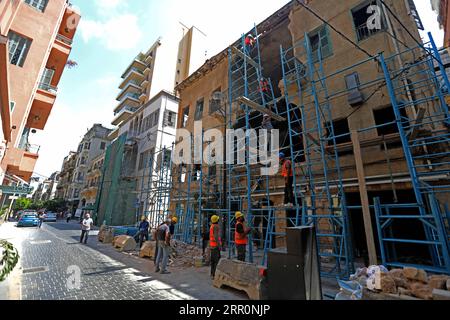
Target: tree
[9, 257]
[22, 204]
[57, 205]
[37, 205]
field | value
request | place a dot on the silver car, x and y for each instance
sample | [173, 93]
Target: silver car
[50, 217]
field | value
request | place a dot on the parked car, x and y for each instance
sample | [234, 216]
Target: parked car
[28, 220]
[50, 217]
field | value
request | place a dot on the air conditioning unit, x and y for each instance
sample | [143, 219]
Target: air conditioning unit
[355, 96]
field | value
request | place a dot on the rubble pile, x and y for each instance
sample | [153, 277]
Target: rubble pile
[410, 282]
[185, 255]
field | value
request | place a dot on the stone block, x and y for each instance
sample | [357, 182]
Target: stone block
[438, 282]
[241, 276]
[148, 250]
[421, 291]
[124, 243]
[441, 295]
[415, 274]
[106, 235]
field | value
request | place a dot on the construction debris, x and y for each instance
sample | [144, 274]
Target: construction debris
[184, 255]
[124, 243]
[148, 250]
[410, 282]
[106, 235]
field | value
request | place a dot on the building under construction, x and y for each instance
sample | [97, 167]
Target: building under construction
[363, 115]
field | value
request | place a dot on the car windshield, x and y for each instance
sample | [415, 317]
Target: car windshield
[29, 215]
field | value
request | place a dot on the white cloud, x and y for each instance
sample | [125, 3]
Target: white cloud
[108, 4]
[119, 32]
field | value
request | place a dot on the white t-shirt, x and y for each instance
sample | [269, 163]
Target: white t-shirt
[87, 224]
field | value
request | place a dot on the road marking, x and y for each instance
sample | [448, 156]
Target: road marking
[35, 270]
[41, 242]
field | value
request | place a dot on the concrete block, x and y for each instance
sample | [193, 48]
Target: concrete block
[105, 235]
[148, 250]
[124, 243]
[415, 274]
[438, 282]
[421, 291]
[441, 295]
[241, 276]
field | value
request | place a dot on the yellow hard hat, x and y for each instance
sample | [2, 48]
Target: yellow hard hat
[175, 220]
[215, 219]
[239, 215]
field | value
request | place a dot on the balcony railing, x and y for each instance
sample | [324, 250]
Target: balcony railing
[364, 32]
[64, 39]
[125, 108]
[31, 148]
[47, 87]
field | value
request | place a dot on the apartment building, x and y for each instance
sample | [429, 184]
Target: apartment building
[47, 189]
[442, 8]
[93, 178]
[66, 176]
[35, 44]
[93, 144]
[203, 97]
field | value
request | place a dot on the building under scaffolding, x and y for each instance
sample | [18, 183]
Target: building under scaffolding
[369, 142]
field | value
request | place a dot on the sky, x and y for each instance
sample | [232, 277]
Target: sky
[112, 32]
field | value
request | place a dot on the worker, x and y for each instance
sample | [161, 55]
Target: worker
[143, 230]
[241, 236]
[172, 226]
[249, 43]
[163, 236]
[215, 243]
[263, 85]
[288, 175]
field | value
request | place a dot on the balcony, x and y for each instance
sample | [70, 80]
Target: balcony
[144, 84]
[132, 85]
[21, 161]
[149, 59]
[147, 71]
[134, 75]
[44, 100]
[143, 97]
[128, 100]
[64, 39]
[123, 115]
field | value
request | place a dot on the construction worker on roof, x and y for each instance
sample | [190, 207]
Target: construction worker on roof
[241, 236]
[288, 175]
[249, 43]
[215, 243]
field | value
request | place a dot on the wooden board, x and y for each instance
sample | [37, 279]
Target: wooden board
[260, 108]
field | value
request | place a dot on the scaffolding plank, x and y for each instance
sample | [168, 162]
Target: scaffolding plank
[244, 56]
[260, 108]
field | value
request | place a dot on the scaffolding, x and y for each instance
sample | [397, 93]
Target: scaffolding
[413, 83]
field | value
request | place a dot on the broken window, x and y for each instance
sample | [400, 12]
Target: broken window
[169, 119]
[320, 42]
[386, 123]
[197, 172]
[216, 101]
[185, 118]
[368, 19]
[199, 110]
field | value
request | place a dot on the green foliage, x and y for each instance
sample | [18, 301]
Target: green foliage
[8, 259]
[22, 204]
[57, 205]
[37, 205]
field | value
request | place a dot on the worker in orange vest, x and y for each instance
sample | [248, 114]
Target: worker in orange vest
[288, 175]
[241, 236]
[215, 243]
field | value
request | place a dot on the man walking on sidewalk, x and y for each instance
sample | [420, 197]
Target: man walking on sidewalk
[86, 227]
[163, 237]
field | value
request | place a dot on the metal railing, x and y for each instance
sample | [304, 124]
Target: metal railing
[64, 39]
[47, 87]
[364, 32]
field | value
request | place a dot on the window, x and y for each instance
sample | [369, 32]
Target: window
[141, 161]
[156, 118]
[12, 105]
[169, 119]
[355, 96]
[320, 40]
[46, 79]
[18, 47]
[197, 172]
[167, 158]
[341, 130]
[87, 146]
[38, 4]
[185, 118]
[216, 101]
[387, 116]
[199, 110]
[103, 146]
[361, 15]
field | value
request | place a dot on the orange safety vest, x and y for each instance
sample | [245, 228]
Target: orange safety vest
[284, 170]
[212, 240]
[240, 238]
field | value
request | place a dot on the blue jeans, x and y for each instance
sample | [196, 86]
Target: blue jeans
[163, 256]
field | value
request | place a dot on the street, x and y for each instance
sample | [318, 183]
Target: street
[51, 259]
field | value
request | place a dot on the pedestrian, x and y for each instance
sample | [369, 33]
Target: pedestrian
[215, 243]
[241, 236]
[163, 236]
[143, 230]
[68, 216]
[41, 217]
[288, 175]
[86, 227]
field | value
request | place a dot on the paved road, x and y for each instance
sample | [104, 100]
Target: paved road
[52, 256]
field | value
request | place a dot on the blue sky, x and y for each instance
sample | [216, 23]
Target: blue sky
[112, 32]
